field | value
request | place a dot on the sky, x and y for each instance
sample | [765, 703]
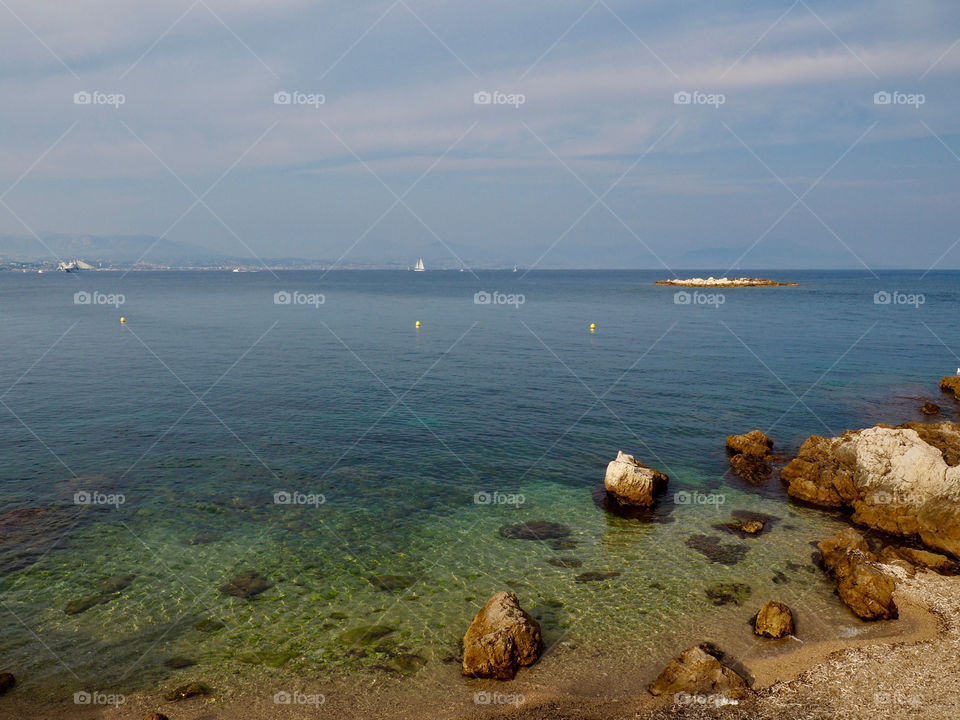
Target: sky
[586, 155]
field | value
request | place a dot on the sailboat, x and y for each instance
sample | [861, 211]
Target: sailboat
[419, 266]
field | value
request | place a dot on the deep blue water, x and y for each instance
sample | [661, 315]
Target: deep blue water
[211, 398]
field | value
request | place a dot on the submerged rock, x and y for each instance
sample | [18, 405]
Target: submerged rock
[209, 625]
[904, 481]
[726, 593]
[7, 681]
[743, 527]
[596, 576]
[178, 663]
[565, 562]
[716, 550]
[365, 634]
[27, 534]
[501, 639]
[392, 582]
[103, 593]
[246, 585]
[774, 620]
[407, 663]
[930, 408]
[186, 691]
[630, 482]
[698, 672]
[535, 530]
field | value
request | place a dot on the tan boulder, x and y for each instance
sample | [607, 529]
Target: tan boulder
[868, 591]
[751, 443]
[697, 671]
[951, 384]
[630, 482]
[774, 620]
[501, 639]
[834, 549]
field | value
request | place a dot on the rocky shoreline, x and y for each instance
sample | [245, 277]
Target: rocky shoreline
[724, 282]
[895, 568]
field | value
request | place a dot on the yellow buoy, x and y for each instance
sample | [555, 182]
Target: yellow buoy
[123, 319]
[593, 326]
[418, 323]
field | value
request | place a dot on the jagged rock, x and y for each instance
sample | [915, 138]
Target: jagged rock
[774, 620]
[630, 482]
[501, 639]
[951, 384]
[868, 591]
[834, 549]
[748, 456]
[904, 481]
[930, 408]
[936, 562]
[751, 443]
[697, 671]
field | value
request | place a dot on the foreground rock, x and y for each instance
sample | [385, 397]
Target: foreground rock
[724, 282]
[697, 671]
[749, 455]
[630, 482]
[774, 620]
[904, 480]
[863, 584]
[501, 639]
[951, 384]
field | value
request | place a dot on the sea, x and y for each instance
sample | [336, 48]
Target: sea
[256, 475]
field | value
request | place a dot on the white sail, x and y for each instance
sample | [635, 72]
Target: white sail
[419, 266]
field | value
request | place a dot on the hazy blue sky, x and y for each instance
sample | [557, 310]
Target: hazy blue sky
[695, 183]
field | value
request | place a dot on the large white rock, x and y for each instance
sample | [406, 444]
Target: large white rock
[631, 482]
[894, 479]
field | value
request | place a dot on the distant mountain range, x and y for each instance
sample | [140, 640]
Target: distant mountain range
[94, 249]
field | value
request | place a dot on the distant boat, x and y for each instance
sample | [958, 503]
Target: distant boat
[419, 266]
[236, 269]
[514, 268]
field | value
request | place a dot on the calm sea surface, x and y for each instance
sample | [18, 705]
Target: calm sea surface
[364, 467]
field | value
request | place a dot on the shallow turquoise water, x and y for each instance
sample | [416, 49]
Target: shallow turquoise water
[212, 398]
